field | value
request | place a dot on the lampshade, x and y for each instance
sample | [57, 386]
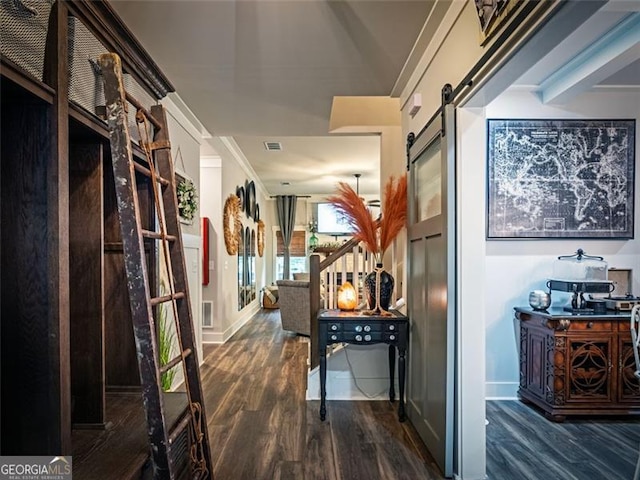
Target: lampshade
[347, 298]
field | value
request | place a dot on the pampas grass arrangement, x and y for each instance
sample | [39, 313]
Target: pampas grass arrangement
[376, 235]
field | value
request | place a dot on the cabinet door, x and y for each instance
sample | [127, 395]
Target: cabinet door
[628, 385]
[590, 369]
[534, 361]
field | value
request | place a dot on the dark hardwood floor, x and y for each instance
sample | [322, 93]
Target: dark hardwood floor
[523, 444]
[261, 426]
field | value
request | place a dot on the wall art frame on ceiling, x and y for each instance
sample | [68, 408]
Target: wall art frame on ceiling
[560, 178]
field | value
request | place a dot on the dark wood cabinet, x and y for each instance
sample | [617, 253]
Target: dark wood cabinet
[65, 329]
[577, 364]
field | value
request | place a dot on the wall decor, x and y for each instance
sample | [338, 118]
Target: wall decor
[250, 199]
[240, 193]
[260, 237]
[560, 178]
[187, 197]
[493, 14]
[231, 224]
[205, 250]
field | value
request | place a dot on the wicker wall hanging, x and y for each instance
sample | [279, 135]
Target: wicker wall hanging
[260, 237]
[232, 224]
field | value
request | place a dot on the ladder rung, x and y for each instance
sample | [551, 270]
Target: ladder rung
[145, 171]
[167, 298]
[174, 361]
[180, 426]
[133, 101]
[157, 235]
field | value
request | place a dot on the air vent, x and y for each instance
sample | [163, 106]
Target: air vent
[273, 146]
[207, 314]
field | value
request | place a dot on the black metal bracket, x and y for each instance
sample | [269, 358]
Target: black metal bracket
[446, 97]
[411, 137]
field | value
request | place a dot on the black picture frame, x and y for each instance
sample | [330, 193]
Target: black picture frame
[560, 178]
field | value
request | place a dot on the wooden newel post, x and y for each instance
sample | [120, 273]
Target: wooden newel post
[314, 300]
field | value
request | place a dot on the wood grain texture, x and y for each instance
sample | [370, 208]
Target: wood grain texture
[86, 293]
[262, 427]
[31, 415]
[523, 444]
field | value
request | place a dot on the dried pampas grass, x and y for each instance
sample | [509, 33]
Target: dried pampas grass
[376, 235]
[348, 203]
[394, 211]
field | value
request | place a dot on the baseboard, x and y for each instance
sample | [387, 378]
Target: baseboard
[211, 336]
[501, 390]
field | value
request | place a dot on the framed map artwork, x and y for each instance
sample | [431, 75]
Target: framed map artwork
[560, 178]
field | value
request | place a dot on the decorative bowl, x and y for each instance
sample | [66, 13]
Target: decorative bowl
[539, 300]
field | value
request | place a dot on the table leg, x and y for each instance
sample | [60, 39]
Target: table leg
[392, 372]
[323, 383]
[401, 372]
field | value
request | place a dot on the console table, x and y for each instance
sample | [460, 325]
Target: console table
[577, 364]
[335, 326]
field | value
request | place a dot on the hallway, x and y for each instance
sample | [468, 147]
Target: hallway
[262, 428]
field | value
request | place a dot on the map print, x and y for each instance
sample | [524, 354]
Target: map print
[561, 178]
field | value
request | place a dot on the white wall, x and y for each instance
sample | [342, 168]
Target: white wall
[185, 136]
[218, 183]
[515, 267]
[211, 204]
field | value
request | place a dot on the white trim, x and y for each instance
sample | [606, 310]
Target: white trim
[232, 147]
[210, 161]
[212, 337]
[183, 115]
[248, 313]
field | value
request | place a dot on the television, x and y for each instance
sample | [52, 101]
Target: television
[331, 222]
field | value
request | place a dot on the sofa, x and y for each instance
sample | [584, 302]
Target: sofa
[295, 306]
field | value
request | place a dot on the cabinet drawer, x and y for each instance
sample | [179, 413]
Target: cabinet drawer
[360, 327]
[624, 326]
[353, 337]
[390, 337]
[333, 337]
[591, 326]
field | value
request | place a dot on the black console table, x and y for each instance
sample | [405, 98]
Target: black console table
[358, 329]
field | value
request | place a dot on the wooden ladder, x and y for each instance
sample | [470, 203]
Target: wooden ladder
[179, 443]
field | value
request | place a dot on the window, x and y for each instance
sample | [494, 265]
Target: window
[297, 253]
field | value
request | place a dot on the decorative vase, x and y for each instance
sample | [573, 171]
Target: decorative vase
[313, 241]
[378, 283]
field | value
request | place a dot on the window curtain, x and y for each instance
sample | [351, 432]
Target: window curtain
[286, 206]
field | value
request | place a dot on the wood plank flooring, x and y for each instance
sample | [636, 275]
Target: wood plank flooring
[261, 426]
[523, 444]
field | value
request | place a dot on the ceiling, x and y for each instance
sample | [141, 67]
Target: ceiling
[603, 54]
[267, 70]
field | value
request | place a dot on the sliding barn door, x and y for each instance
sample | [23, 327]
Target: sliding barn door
[432, 283]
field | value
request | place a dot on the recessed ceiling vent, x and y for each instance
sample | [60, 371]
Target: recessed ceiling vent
[273, 146]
